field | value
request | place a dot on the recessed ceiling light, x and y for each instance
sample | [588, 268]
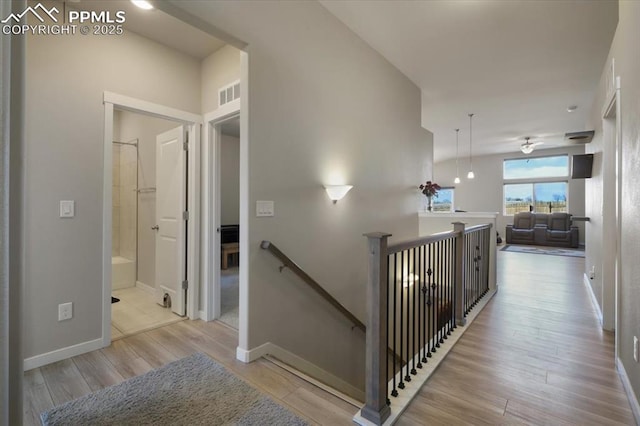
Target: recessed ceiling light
[572, 108]
[142, 4]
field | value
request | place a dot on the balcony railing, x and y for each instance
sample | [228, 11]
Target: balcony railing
[418, 293]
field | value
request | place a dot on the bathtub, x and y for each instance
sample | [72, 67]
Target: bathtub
[123, 272]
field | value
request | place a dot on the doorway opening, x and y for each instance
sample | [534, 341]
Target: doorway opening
[150, 192]
[143, 180]
[229, 218]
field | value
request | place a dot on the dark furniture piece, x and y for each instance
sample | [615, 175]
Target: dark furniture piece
[229, 234]
[543, 229]
[229, 238]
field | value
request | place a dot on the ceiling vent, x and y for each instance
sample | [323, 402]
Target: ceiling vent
[579, 137]
[229, 93]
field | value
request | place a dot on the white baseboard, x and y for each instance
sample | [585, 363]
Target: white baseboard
[594, 300]
[300, 364]
[60, 354]
[631, 395]
[146, 287]
[251, 355]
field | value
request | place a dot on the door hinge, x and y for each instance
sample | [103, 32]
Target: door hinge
[185, 145]
[185, 285]
[185, 215]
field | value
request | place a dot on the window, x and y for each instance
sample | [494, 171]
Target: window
[532, 183]
[444, 201]
[544, 197]
[537, 167]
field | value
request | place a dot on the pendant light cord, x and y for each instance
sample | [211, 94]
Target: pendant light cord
[470, 138]
[457, 151]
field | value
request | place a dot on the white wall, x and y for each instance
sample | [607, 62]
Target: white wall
[144, 129]
[323, 108]
[485, 192]
[218, 70]
[625, 51]
[230, 180]
[66, 78]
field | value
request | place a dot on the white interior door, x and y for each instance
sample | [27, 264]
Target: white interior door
[171, 231]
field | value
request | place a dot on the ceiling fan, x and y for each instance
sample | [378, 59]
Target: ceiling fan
[527, 147]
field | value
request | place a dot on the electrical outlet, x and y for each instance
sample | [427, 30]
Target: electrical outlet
[65, 311]
[635, 348]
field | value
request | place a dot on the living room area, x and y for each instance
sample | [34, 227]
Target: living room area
[540, 207]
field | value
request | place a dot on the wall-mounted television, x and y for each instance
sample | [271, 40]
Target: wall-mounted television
[581, 166]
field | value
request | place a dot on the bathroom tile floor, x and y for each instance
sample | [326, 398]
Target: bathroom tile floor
[137, 312]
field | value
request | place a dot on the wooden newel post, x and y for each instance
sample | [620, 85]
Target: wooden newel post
[376, 409]
[459, 274]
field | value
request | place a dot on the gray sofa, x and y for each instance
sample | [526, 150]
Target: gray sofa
[543, 229]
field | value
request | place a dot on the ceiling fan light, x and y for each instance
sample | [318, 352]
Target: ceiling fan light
[527, 148]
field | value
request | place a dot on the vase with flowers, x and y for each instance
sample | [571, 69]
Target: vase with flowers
[430, 190]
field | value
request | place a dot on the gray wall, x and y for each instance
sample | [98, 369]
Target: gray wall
[66, 78]
[625, 51]
[145, 129]
[218, 70]
[323, 108]
[485, 192]
[230, 180]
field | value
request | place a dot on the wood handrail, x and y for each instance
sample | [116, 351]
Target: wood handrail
[288, 263]
[405, 245]
[477, 228]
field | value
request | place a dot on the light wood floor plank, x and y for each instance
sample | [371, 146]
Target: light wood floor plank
[64, 381]
[125, 360]
[319, 409]
[97, 370]
[538, 347]
[36, 396]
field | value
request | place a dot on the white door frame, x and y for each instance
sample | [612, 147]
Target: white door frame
[612, 144]
[192, 123]
[211, 207]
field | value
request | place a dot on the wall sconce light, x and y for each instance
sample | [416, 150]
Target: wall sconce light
[337, 192]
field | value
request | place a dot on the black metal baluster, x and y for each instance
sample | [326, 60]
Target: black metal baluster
[413, 313]
[420, 304]
[394, 282]
[407, 377]
[448, 287]
[440, 291]
[401, 281]
[477, 290]
[453, 284]
[430, 302]
[386, 382]
[467, 243]
[425, 305]
[434, 302]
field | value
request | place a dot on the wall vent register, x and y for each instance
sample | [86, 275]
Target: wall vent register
[229, 93]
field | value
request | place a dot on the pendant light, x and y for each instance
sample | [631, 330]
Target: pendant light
[457, 179]
[470, 175]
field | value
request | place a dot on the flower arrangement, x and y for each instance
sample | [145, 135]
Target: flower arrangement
[430, 189]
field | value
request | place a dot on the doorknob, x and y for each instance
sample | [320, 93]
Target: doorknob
[155, 228]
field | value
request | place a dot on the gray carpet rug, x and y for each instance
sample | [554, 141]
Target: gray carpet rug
[191, 391]
[554, 251]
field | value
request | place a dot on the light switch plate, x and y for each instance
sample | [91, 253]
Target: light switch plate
[67, 208]
[264, 209]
